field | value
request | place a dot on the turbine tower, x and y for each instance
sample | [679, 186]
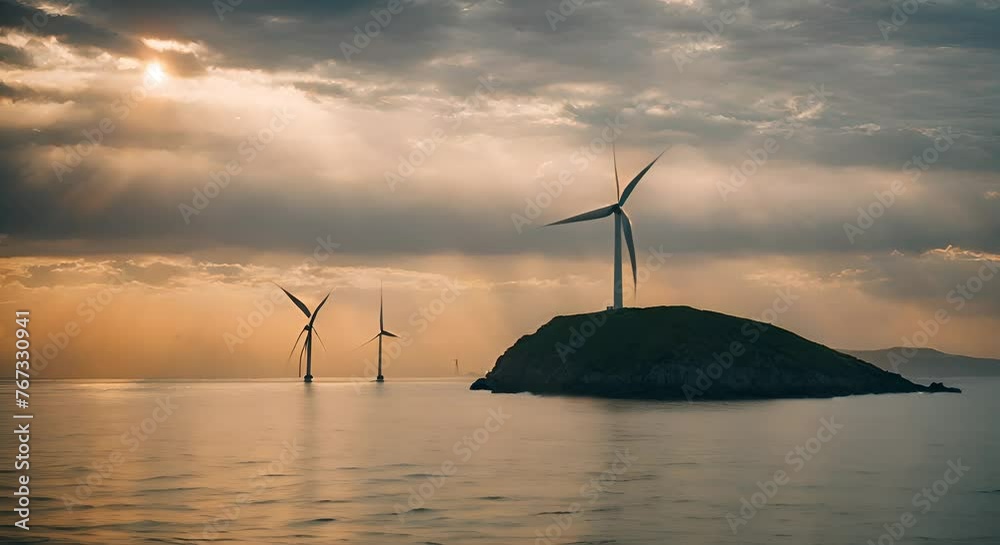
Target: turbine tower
[622, 223]
[309, 329]
[381, 333]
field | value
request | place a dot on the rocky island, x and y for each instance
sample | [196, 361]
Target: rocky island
[679, 352]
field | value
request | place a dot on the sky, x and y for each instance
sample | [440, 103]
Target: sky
[829, 166]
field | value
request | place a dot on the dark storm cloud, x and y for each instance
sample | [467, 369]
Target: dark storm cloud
[949, 278]
[324, 89]
[14, 56]
[13, 93]
[73, 30]
[146, 215]
[281, 35]
[887, 94]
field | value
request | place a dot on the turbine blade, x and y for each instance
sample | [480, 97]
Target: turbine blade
[367, 342]
[316, 312]
[302, 353]
[586, 216]
[323, 344]
[389, 334]
[627, 225]
[302, 306]
[617, 185]
[297, 339]
[635, 181]
[381, 320]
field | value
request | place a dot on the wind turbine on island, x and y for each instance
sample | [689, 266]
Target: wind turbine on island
[309, 329]
[381, 333]
[622, 223]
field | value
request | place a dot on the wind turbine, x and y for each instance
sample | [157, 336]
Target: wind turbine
[622, 222]
[309, 329]
[381, 333]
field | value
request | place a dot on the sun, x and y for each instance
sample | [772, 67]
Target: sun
[155, 72]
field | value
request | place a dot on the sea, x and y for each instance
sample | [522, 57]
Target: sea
[429, 461]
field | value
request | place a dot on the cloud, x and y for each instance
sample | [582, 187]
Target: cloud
[70, 29]
[845, 110]
[14, 56]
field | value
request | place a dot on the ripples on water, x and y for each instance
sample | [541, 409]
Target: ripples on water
[424, 462]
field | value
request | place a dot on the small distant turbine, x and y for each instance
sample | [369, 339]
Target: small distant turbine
[621, 222]
[309, 329]
[381, 333]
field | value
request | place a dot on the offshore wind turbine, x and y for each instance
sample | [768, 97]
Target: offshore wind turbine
[381, 333]
[622, 223]
[309, 329]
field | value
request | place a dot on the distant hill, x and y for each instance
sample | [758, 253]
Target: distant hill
[680, 352]
[928, 363]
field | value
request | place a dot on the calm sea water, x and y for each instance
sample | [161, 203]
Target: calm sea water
[432, 462]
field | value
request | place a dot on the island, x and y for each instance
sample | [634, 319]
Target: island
[678, 353]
